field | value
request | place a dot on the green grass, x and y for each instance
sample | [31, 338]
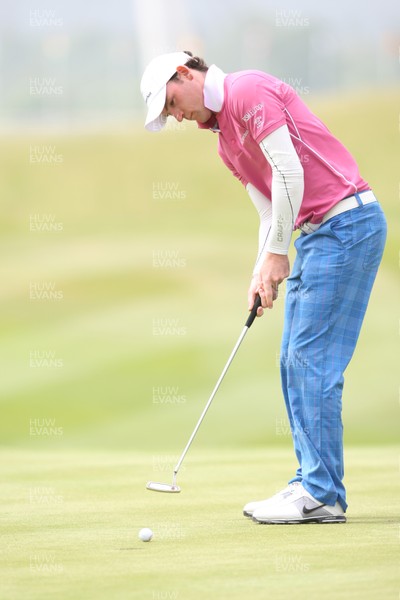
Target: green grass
[70, 522]
[102, 398]
[102, 264]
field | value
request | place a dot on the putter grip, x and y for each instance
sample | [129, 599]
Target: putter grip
[253, 313]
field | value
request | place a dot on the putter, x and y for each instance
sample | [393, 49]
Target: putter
[173, 487]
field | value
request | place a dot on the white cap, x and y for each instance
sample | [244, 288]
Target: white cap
[154, 86]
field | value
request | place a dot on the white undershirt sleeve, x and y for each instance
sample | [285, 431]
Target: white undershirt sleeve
[287, 188]
[264, 208]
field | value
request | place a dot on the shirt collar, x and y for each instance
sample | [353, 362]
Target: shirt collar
[213, 93]
[214, 89]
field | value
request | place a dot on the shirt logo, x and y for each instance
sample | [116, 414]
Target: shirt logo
[307, 511]
[244, 136]
[279, 235]
[250, 113]
[258, 122]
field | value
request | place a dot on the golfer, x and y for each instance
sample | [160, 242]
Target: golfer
[298, 176]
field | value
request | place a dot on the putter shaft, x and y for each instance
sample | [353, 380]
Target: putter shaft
[207, 406]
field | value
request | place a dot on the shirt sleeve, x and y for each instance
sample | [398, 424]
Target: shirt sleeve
[264, 209]
[287, 188]
[257, 104]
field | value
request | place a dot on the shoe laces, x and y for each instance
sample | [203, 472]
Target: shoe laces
[293, 486]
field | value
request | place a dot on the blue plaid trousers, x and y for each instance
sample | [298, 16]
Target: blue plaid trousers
[326, 300]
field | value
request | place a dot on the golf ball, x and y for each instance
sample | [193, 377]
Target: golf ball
[145, 534]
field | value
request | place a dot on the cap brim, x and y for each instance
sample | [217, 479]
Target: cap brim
[155, 121]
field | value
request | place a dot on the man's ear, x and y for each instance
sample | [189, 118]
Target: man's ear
[184, 72]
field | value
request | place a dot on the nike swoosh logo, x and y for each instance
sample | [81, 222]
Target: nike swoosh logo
[307, 511]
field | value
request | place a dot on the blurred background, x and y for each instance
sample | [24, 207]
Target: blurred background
[126, 256]
[69, 62]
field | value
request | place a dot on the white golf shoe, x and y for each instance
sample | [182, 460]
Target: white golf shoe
[298, 507]
[250, 507]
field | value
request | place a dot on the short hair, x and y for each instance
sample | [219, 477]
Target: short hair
[196, 63]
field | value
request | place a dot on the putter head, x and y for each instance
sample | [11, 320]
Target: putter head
[154, 486]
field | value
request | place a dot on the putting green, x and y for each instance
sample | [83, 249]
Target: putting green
[70, 522]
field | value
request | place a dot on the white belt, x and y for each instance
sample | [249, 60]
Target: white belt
[347, 204]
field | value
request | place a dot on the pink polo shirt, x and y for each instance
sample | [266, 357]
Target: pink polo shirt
[254, 105]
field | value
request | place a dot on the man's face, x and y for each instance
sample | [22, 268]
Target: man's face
[185, 99]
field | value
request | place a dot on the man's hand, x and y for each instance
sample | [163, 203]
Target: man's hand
[273, 271]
